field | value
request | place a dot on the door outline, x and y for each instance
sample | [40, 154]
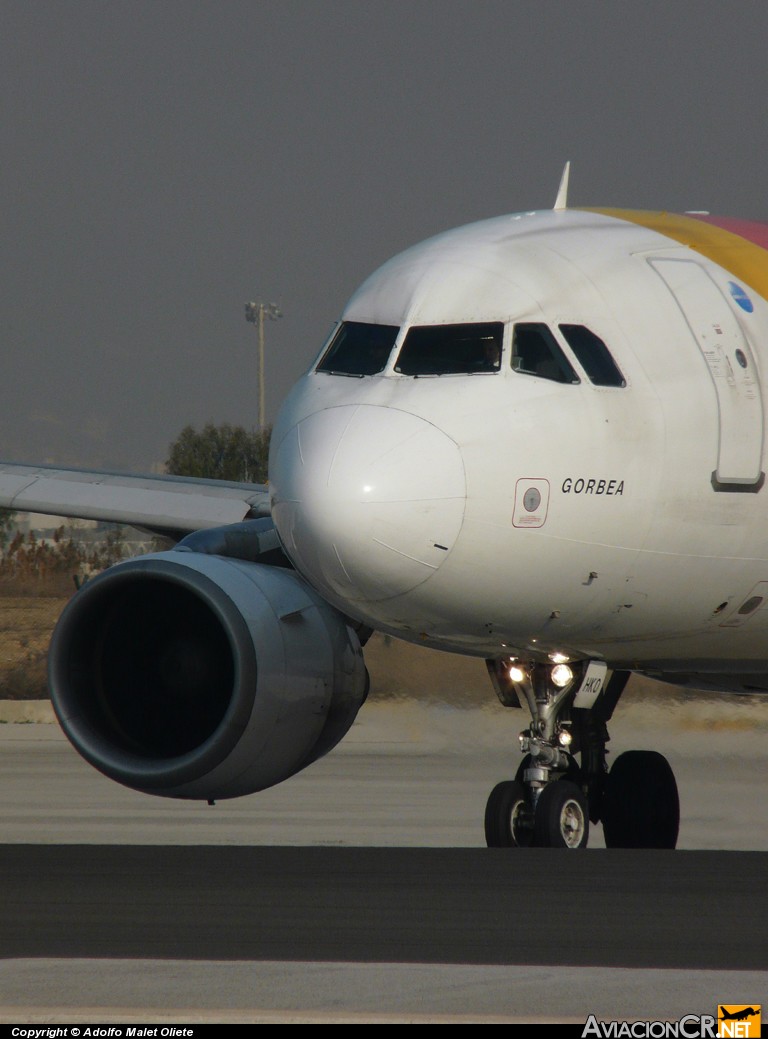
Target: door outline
[731, 364]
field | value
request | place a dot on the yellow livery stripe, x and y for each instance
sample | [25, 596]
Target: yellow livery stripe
[744, 259]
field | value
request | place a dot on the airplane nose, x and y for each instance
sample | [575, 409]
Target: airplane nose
[368, 501]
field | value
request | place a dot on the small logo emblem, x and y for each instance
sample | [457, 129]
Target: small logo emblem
[532, 499]
[738, 1021]
[531, 502]
[740, 297]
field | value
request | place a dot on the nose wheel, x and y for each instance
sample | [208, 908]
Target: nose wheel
[559, 820]
[508, 817]
[562, 816]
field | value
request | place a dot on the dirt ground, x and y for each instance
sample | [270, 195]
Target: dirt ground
[26, 624]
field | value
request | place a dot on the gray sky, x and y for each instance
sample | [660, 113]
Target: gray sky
[164, 161]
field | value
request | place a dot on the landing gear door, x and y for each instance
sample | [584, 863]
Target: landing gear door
[731, 365]
[591, 684]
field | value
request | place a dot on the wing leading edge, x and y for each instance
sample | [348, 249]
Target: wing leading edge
[173, 505]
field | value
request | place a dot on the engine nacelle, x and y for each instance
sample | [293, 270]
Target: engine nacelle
[195, 676]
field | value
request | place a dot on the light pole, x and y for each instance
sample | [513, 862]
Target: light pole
[255, 313]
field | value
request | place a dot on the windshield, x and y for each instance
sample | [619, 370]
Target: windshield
[594, 356]
[359, 349]
[451, 349]
[535, 352]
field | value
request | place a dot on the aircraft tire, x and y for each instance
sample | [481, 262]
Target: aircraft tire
[562, 816]
[641, 806]
[506, 805]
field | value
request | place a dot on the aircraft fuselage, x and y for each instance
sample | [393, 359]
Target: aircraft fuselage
[609, 509]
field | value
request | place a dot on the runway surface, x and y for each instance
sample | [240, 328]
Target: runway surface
[360, 890]
[393, 905]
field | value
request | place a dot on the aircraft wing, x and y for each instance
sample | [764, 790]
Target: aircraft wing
[173, 505]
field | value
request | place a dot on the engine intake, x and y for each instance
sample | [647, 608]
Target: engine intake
[195, 676]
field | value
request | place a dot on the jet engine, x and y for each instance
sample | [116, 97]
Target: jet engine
[197, 676]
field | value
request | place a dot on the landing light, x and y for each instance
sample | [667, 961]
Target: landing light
[561, 675]
[516, 673]
[558, 658]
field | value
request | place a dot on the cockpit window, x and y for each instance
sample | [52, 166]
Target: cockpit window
[593, 355]
[451, 349]
[359, 349]
[535, 352]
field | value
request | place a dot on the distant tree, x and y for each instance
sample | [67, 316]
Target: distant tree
[111, 549]
[27, 556]
[7, 524]
[221, 453]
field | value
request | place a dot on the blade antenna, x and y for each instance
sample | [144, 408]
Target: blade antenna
[561, 202]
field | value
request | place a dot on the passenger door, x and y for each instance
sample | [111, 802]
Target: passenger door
[731, 365]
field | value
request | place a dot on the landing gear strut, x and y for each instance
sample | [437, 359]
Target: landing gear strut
[553, 798]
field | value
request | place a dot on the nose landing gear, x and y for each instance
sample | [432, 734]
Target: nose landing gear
[553, 798]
